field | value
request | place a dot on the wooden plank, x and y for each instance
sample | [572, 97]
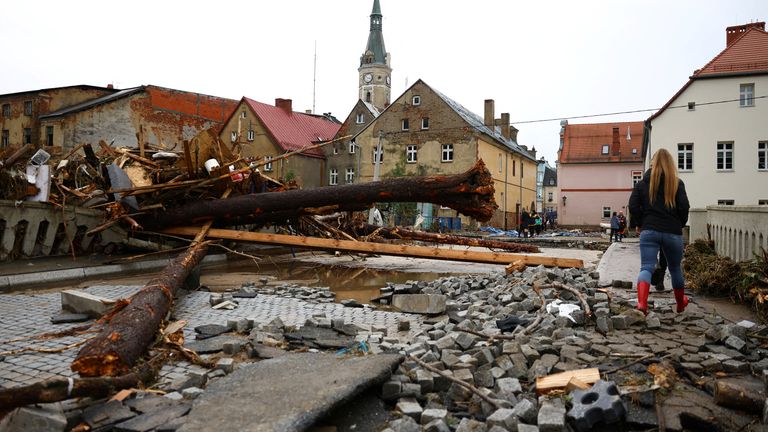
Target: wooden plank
[560, 380]
[378, 248]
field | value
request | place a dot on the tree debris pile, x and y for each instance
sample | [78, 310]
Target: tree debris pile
[744, 282]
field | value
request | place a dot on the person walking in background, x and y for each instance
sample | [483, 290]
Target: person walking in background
[532, 223]
[622, 225]
[538, 224]
[658, 209]
[614, 227]
[524, 220]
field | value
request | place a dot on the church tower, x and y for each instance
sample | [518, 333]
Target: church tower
[375, 81]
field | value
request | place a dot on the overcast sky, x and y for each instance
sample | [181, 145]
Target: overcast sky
[536, 59]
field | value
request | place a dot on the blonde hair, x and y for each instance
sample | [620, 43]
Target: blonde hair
[662, 164]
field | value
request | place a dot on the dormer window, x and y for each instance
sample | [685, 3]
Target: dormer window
[416, 100]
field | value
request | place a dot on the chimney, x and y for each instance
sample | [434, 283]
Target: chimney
[616, 145]
[734, 32]
[513, 133]
[309, 111]
[532, 151]
[110, 86]
[284, 104]
[490, 113]
[504, 122]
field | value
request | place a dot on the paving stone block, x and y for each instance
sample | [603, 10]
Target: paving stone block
[404, 424]
[104, 415]
[437, 426]
[429, 415]
[409, 407]
[425, 380]
[152, 420]
[507, 386]
[735, 342]
[601, 403]
[470, 425]
[391, 390]
[227, 365]
[39, 418]
[81, 302]
[65, 318]
[525, 410]
[551, 417]
[191, 393]
[420, 303]
[522, 427]
[503, 417]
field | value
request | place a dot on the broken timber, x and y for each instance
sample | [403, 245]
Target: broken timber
[470, 193]
[378, 248]
[132, 329]
[402, 233]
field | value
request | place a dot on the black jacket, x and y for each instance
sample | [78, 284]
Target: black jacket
[658, 217]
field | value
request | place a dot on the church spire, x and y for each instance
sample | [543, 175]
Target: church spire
[375, 51]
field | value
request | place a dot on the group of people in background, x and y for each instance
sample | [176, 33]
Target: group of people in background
[618, 226]
[533, 224]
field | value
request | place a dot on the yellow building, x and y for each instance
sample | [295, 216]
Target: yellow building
[424, 132]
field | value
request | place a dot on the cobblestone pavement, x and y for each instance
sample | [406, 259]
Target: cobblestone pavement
[24, 316]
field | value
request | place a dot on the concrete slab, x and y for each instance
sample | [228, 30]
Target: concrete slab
[622, 262]
[289, 393]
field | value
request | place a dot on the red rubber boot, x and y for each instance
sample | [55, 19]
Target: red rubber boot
[642, 296]
[681, 299]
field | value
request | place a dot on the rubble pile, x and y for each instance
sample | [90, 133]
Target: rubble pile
[713, 274]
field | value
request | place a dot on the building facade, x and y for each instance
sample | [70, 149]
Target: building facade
[716, 125]
[598, 164]
[343, 156]
[158, 116]
[549, 189]
[20, 112]
[423, 132]
[375, 71]
[261, 131]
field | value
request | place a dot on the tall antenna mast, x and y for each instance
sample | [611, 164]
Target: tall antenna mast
[314, 79]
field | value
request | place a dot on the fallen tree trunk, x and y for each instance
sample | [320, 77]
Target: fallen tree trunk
[128, 334]
[406, 234]
[378, 248]
[470, 193]
[59, 389]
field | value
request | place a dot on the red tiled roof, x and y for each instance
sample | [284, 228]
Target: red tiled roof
[583, 143]
[748, 53]
[294, 130]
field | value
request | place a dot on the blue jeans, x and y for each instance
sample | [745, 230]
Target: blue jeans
[672, 245]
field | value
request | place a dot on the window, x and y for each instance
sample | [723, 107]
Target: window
[550, 196]
[350, 177]
[636, 177]
[6, 137]
[605, 149]
[634, 151]
[352, 146]
[762, 202]
[685, 157]
[405, 125]
[606, 212]
[27, 136]
[378, 155]
[725, 202]
[411, 154]
[551, 182]
[501, 163]
[522, 165]
[691, 106]
[747, 95]
[425, 123]
[360, 119]
[416, 100]
[447, 153]
[725, 155]
[335, 149]
[268, 164]
[28, 108]
[243, 114]
[251, 135]
[233, 136]
[367, 96]
[49, 135]
[334, 177]
[514, 166]
[6, 110]
[762, 155]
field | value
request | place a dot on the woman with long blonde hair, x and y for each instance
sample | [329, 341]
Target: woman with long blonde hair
[658, 208]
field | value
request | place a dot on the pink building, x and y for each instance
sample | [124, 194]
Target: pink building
[598, 164]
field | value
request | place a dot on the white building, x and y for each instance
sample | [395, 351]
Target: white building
[717, 124]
